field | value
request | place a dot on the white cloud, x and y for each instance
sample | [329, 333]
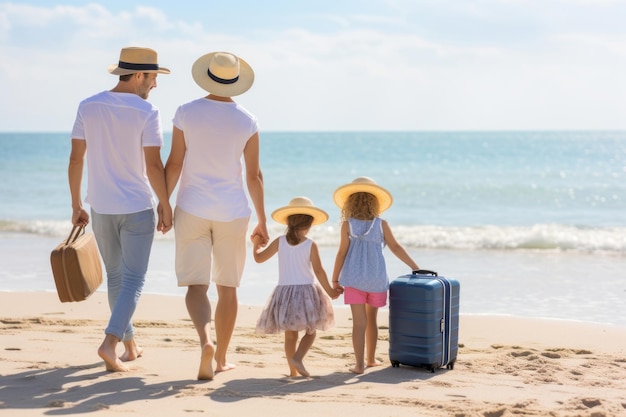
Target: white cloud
[357, 75]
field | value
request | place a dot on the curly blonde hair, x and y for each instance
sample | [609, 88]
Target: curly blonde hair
[361, 206]
[297, 222]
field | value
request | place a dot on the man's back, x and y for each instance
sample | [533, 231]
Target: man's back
[116, 127]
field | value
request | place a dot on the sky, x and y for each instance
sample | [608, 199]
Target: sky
[332, 65]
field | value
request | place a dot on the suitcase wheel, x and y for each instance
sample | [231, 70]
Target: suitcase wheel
[432, 367]
[395, 364]
[450, 365]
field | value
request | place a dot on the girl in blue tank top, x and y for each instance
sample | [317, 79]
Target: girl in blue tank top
[360, 269]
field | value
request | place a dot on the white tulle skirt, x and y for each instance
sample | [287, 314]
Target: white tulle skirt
[296, 307]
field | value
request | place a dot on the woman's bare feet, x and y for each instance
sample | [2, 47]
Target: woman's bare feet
[297, 363]
[206, 363]
[107, 352]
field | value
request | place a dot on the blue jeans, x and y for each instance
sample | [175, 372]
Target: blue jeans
[124, 241]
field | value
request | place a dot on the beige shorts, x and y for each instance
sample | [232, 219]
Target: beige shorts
[202, 244]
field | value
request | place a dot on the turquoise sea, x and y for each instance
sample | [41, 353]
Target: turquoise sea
[530, 223]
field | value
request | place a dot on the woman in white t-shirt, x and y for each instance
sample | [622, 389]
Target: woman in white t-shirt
[211, 136]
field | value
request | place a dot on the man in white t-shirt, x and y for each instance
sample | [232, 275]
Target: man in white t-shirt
[211, 137]
[120, 133]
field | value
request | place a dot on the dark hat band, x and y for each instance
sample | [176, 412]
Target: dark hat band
[221, 80]
[138, 67]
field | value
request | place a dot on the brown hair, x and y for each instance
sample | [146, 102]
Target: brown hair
[127, 77]
[297, 222]
[361, 206]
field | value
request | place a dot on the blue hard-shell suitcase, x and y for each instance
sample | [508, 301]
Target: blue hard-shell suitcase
[424, 320]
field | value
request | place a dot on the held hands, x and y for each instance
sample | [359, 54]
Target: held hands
[337, 290]
[259, 236]
[165, 218]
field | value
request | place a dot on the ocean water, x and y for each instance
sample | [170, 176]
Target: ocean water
[530, 223]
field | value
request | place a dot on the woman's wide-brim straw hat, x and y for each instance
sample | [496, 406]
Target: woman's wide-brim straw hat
[300, 205]
[135, 59]
[222, 74]
[363, 185]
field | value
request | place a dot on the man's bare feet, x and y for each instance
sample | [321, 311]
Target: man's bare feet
[131, 352]
[206, 363]
[111, 361]
[297, 363]
[225, 367]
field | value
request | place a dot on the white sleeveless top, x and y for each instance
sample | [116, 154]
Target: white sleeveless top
[294, 263]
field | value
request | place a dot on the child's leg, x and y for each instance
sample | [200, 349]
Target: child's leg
[371, 334]
[291, 339]
[359, 324]
[305, 344]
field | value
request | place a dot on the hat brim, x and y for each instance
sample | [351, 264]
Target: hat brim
[201, 77]
[382, 195]
[280, 215]
[116, 70]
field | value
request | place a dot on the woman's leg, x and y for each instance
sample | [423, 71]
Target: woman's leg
[199, 308]
[225, 318]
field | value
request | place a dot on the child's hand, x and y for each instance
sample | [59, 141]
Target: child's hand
[337, 290]
[256, 239]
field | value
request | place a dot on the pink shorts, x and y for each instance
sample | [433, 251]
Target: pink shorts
[353, 296]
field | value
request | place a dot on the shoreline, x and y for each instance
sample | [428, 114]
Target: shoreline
[506, 366]
[569, 286]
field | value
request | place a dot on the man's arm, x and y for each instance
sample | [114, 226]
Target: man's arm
[156, 176]
[80, 217]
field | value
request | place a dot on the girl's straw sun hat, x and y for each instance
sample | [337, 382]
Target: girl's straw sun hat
[300, 205]
[363, 185]
[222, 74]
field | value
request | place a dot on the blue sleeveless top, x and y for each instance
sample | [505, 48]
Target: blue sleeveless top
[364, 267]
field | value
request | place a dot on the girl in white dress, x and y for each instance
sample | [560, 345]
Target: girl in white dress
[297, 303]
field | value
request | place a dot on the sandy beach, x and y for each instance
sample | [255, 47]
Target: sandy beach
[506, 366]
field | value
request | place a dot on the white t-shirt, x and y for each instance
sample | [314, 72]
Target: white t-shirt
[116, 127]
[216, 134]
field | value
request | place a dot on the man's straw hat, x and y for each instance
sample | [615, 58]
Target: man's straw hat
[135, 59]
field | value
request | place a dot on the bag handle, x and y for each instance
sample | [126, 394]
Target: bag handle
[76, 232]
[424, 272]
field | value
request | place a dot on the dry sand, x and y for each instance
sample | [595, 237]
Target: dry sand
[506, 367]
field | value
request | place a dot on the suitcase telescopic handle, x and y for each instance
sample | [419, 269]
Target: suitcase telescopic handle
[424, 272]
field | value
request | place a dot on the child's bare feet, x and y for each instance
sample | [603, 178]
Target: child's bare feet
[206, 363]
[374, 363]
[357, 370]
[297, 363]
